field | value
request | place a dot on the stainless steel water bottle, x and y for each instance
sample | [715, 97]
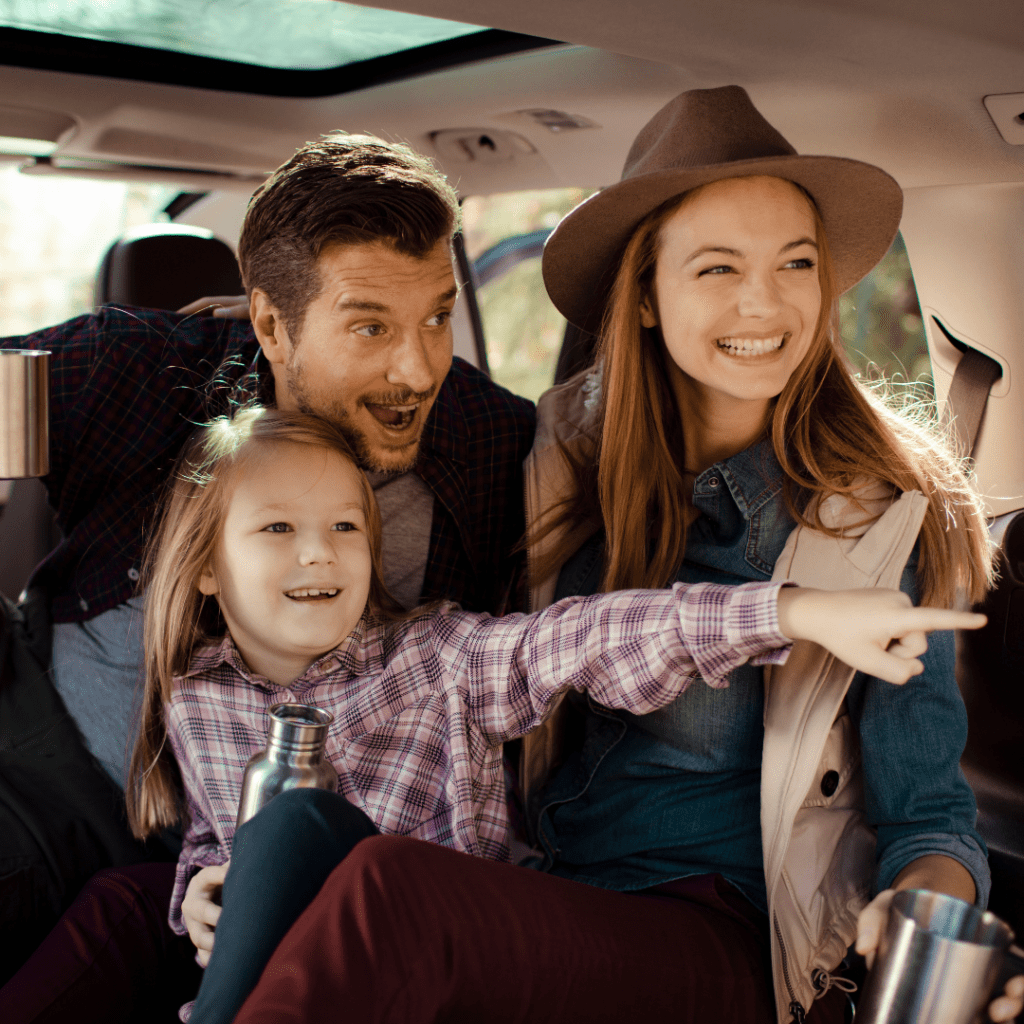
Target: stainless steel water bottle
[293, 758]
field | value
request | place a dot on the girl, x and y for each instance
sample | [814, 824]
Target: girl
[270, 516]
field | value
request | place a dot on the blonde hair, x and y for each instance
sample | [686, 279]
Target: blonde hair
[829, 432]
[179, 619]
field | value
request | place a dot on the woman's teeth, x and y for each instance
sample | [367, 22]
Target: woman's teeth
[310, 593]
[751, 346]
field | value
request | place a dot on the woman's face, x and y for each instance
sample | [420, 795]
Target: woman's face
[736, 290]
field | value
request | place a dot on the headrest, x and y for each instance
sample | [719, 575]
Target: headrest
[166, 266]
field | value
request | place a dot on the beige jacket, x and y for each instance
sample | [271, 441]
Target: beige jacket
[818, 851]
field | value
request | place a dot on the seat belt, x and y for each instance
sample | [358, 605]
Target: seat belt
[968, 393]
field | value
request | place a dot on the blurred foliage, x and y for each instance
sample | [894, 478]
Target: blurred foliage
[880, 320]
[881, 326]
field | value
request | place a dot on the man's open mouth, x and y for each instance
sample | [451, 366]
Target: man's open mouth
[311, 594]
[394, 417]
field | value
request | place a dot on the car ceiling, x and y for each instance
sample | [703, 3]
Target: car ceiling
[900, 84]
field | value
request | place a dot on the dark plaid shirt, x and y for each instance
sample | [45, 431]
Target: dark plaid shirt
[127, 386]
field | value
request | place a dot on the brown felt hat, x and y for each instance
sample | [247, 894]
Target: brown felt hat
[701, 136]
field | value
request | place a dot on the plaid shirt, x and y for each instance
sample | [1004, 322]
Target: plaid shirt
[128, 386]
[421, 708]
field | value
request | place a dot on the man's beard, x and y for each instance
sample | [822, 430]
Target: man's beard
[399, 459]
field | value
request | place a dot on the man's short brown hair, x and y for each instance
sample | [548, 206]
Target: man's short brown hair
[347, 189]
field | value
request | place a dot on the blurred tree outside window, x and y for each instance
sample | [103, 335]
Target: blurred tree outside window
[880, 321]
[879, 318]
[522, 329]
[53, 234]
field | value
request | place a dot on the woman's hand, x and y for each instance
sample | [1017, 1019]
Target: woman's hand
[875, 630]
[871, 924]
[234, 306]
[201, 908]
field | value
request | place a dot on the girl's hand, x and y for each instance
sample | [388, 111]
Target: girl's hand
[201, 908]
[234, 306]
[870, 925]
[874, 630]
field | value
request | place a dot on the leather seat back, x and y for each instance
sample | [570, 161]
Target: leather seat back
[166, 266]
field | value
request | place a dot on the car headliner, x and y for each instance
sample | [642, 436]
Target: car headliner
[899, 83]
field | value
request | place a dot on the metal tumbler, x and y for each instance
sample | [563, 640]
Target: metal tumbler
[937, 962]
[24, 413]
[293, 758]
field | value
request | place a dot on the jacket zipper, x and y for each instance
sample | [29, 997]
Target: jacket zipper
[796, 1009]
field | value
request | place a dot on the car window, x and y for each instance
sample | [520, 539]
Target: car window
[53, 234]
[882, 329]
[505, 236]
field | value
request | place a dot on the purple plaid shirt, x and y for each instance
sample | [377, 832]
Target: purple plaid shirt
[421, 708]
[127, 386]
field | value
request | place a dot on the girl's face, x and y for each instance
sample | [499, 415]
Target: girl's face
[291, 570]
[736, 292]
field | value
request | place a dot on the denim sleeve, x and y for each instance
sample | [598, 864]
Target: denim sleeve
[912, 737]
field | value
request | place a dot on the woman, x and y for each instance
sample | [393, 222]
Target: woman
[720, 437]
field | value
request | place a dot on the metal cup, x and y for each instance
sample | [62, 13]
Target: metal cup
[293, 758]
[937, 962]
[24, 413]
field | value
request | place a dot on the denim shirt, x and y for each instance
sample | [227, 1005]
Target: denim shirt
[653, 798]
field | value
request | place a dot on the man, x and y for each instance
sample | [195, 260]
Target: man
[345, 254]
[346, 259]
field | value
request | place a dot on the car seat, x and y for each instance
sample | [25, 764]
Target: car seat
[990, 670]
[166, 266]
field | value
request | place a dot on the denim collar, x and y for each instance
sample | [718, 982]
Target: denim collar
[752, 478]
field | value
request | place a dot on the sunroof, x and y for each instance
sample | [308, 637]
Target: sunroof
[309, 35]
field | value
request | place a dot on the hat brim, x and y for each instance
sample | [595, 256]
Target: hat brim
[860, 206]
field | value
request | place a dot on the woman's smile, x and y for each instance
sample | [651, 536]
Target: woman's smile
[748, 348]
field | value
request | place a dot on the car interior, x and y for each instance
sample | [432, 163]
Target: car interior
[528, 107]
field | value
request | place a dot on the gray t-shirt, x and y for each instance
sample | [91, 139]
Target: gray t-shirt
[407, 513]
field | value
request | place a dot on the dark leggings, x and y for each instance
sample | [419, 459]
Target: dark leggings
[269, 884]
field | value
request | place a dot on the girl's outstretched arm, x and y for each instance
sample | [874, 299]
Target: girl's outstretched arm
[640, 649]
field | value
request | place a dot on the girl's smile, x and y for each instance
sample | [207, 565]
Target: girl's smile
[292, 569]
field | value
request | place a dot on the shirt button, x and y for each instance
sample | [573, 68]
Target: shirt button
[713, 482]
[829, 783]
[133, 574]
[83, 604]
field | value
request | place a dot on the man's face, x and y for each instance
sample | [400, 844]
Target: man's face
[374, 347]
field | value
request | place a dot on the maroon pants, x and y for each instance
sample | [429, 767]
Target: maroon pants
[407, 932]
[404, 931]
[111, 959]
